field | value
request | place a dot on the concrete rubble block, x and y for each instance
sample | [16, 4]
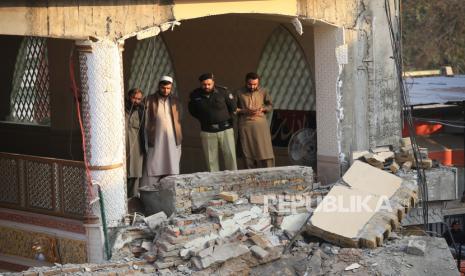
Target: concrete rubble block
[258, 199]
[259, 252]
[166, 246]
[165, 254]
[229, 196]
[183, 220]
[261, 241]
[416, 247]
[220, 254]
[216, 202]
[426, 164]
[163, 265]
[394, 167]
[156, 220]
[386, 155]
[294, 223]
[374, 160]
[405, 142]
[402, 158]
[365, 213]
[356, 155]
[407, 166]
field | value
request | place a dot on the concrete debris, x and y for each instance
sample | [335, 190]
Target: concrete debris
[416, 247]
[156, 220]
[229, 196]
[352, 267]
[377, 210]
[259, 252]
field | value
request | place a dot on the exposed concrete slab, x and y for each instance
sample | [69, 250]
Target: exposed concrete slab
[365, 213]
[364, 177]
[334, 214]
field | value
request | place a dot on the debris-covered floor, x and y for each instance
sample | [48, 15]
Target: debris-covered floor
[274, 222]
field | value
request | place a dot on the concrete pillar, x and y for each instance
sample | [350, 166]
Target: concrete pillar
[102, 112]
[95, 240]
[329, 112]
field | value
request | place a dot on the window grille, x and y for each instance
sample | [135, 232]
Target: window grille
[151, 61]
[285, 71]
[30, 98]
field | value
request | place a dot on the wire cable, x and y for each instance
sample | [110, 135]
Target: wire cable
[395, 30]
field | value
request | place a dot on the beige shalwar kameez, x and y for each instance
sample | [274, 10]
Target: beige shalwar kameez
[254, 132]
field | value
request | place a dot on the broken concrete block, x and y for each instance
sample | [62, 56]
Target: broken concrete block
[258, 252]
[425, 164]
[386, 155]
[407, 166]
[155, 220]
[416, 247]
[374, 160]
[375, 203]
[405, 142]
[363, 177]
[163, 265]
[293, 223]
[229, 196]
[356, 155]
[261, 241]
[228, 251]
[394, 167]
[216, 202]
[352, 267]
[220, 254]
[257, 199]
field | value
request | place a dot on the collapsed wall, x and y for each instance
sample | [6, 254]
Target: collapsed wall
[182, 194]
[364, 208]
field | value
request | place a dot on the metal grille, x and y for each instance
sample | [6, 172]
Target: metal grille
[286, 73]
[151, 61]
[74, 192]
[39, 180]
[30, 98]
[8, 181]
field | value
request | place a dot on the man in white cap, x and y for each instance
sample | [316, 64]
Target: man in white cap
[163, 134]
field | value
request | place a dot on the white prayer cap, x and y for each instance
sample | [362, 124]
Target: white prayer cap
[166, 78]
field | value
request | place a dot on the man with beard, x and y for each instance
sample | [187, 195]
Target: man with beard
[214, 107]
[163, 134]
[134, 140]
[253, 103]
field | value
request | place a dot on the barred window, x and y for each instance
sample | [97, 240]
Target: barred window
[30, 97]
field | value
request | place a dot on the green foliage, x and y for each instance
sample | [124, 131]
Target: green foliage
[433, 34]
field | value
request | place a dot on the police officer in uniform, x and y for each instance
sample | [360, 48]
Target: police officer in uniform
[214, 107]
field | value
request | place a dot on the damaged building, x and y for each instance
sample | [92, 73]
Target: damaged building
[67, 65]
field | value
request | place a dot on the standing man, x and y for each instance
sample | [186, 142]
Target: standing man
[134, 140]
[254, 133]
[163, 134]
[214, 107]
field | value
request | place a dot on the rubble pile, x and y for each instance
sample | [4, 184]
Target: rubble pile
[231, 227]
[387, 159]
